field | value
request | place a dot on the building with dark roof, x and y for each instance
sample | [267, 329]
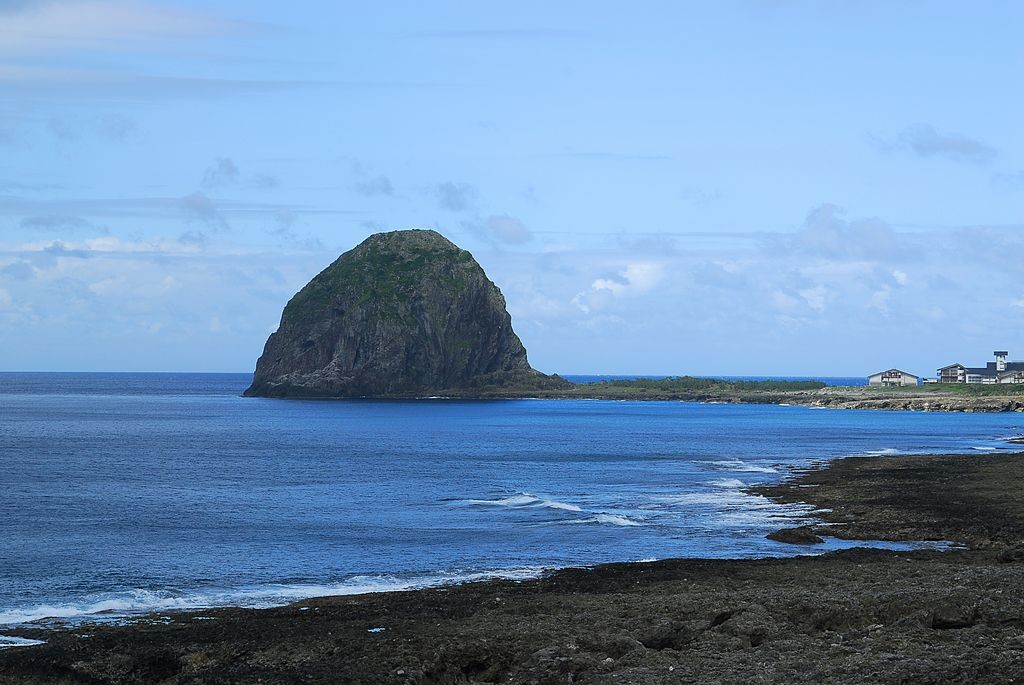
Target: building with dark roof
[998, 371]
[893, 378]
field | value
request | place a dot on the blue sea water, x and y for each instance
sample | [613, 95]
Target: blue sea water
[133, 492]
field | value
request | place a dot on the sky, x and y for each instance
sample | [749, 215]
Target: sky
[754, 187]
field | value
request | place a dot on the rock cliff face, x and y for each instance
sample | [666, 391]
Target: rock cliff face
[403, 313]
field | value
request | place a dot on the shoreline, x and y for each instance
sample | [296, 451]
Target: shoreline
[830, 397]
[858, 614]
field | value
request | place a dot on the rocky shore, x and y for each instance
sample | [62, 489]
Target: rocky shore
[986, 399]
[857, 616]
[912, 399]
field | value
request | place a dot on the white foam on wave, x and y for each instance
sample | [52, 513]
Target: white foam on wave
[136, 601]
[725, 507]
[984, 449]
[885, 452]
[8, 641]
[702, 499]
[728, 483]
[522, 499]
[743, 466]
[561, 505]
[608, 519]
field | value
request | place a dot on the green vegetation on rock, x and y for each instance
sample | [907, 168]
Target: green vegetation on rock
[686, 383]
[404, 313]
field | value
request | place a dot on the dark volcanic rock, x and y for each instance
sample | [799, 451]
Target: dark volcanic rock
[802, 535]
[403, 313]
[853, 616]
[1012, 554]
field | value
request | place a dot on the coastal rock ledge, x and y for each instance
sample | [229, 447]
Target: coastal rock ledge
[403, 314]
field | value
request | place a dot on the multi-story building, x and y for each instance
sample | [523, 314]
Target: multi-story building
[998, 371]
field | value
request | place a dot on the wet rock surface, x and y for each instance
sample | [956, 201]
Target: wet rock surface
[856, 616]
[899, 399]
[973, 499]
[802, 535]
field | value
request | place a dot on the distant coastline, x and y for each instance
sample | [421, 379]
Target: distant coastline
[589, 378]
[754, 390]
[936, 397]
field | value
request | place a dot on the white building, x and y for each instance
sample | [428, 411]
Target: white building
[998, 371]
[1011, 377]
[893, 378]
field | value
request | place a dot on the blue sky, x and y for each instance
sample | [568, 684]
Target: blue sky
[758, 187]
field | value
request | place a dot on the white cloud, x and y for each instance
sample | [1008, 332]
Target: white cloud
[618, 301]
[115, 285]
[65, 25]
[635, 279]
[826, 233]
[103, 244]
[784, 302]
[595, 300]
[880, 301]
[145, 304]
[815, 297]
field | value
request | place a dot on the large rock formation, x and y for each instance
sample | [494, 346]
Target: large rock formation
[403, 313]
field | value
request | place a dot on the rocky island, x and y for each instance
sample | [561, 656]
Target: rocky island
[408, 314]
[403, 314]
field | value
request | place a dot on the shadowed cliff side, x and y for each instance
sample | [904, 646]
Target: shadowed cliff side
[404, 313]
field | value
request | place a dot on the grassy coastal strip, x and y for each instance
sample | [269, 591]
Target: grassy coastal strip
[932, 397]
[853, 616]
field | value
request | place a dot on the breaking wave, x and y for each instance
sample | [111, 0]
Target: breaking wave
[743, 466]
[114, 606]
[7, 641]
[728, 483]
[522, 499]
[608, 519]
[885, 452]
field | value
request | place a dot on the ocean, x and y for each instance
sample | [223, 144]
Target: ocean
[125, 493]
